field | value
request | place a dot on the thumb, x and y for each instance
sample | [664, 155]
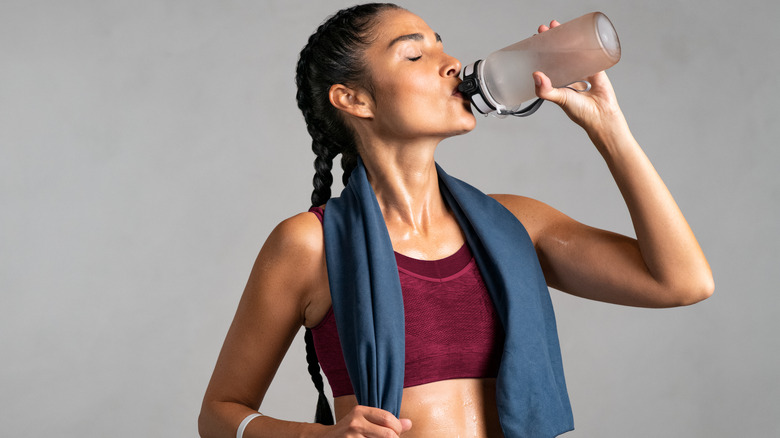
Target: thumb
[546, 91]
[406, 424]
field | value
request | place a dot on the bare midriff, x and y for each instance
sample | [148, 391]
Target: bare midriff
[463, 408]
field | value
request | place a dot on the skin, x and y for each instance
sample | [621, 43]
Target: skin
[398, 129]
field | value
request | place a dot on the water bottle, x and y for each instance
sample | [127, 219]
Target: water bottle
[568, 53]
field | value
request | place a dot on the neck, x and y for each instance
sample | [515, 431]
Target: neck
[406, 184]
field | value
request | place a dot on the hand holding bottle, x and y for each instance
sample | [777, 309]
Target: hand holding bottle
[595, 110]
[581, 47]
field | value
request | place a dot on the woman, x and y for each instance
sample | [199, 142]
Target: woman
[375, 85]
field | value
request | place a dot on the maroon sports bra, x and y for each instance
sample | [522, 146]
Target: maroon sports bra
[451, 328]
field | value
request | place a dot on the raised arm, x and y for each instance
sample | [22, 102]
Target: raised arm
[664, 266]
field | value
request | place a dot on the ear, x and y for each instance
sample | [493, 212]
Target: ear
[352, 101]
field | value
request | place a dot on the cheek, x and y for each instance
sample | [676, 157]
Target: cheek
[405, 92]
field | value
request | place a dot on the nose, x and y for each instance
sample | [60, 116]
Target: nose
[451, 66]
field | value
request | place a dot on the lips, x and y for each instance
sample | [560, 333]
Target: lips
[457, 93]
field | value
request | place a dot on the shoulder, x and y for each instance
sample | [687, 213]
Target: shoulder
[536, 216]
[300, 235]
[290, 267]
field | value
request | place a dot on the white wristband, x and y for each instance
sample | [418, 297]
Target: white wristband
[242, 426]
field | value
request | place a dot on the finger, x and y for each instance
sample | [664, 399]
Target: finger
[544, 28]
[385, 419]
[546, 91]
[406, 424]
[600, 80]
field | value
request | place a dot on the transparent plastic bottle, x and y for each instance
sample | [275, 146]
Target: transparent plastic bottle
[566, 54]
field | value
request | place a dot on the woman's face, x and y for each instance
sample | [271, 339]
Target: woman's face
[415, 82]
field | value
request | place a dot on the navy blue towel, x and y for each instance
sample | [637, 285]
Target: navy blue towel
[365, 288]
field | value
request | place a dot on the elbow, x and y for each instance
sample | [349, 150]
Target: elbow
[202, 429]
[695, 291]
[205, 428]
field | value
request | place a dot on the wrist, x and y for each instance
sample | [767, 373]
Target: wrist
[313, 430]
[268, 426]
[245, 422]
[611, 134]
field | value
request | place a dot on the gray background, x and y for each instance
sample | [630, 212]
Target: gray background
[147, 148]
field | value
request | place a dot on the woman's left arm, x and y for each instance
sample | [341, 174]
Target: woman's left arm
[664, 266]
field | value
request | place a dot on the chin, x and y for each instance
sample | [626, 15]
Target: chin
[464, 130]
[469, 124]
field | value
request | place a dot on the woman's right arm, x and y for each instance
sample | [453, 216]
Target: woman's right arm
[280, 296]
[270, 314]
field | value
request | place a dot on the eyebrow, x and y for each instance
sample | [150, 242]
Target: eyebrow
[412, 37]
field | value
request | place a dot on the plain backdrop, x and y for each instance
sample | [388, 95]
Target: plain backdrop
[148, 148]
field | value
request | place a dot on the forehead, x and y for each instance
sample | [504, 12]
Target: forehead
[396, 22]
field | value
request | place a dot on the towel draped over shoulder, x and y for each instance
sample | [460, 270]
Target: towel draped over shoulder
[365, 289]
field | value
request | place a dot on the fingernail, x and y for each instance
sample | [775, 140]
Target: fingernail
[537, 80]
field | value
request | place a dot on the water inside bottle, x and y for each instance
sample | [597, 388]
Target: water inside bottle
[508, 75]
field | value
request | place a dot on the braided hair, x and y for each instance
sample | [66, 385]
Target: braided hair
[333, 55]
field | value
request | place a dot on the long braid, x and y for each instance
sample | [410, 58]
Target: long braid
[332, 55]
[348, 164]
[323, 414]
[323, 165]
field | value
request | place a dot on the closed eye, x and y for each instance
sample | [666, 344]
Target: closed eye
[416, 58]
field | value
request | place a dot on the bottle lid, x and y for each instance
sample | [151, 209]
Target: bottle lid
[471, 87]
